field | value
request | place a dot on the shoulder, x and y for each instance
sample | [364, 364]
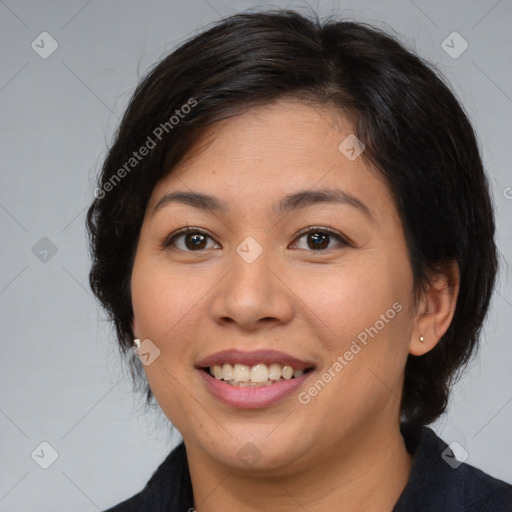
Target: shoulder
[481, 492]
[133, 504]
[168, 489]
[439, 482]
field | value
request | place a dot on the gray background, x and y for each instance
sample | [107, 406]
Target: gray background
[62, 380]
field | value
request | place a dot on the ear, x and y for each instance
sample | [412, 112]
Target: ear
[436, 309]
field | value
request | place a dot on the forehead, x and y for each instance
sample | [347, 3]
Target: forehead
[269, 150]
[287, 129]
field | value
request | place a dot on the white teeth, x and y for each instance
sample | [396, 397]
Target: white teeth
[274, 372]
[241, 373]
[217, 372]
[258, 375]
[227, 372]
[287, 372]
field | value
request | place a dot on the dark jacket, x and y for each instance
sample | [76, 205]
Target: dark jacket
[436, 483]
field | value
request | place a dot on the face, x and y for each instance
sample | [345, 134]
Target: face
[297, 259]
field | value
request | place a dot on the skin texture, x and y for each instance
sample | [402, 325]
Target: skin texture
[343, 448]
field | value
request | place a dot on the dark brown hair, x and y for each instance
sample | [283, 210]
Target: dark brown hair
[414, 130]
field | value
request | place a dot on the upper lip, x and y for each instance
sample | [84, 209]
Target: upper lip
[252, 358]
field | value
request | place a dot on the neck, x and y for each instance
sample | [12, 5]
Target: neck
[368, 472]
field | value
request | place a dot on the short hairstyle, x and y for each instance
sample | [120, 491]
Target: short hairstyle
[414, 130]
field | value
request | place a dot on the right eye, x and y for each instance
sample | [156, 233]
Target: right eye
[193, 239]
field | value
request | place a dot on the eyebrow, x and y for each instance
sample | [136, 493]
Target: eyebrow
[292, 202]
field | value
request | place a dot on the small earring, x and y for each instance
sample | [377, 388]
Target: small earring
[136, 342]
[422, 339]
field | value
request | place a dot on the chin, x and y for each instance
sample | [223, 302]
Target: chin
[263, 452]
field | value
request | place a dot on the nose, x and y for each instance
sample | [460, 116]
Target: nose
[253, 295]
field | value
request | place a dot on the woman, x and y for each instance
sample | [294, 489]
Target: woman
[294, 230]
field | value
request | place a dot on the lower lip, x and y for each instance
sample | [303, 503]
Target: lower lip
[252, 397]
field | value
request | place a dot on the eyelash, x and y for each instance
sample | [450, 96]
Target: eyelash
[168, 241]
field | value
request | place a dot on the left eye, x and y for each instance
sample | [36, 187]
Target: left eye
[319, 238]
[193, 239]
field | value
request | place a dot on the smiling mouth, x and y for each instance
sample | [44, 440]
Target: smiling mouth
[242, 375]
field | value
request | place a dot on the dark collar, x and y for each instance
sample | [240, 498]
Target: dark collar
[438, 482]
[434, 484]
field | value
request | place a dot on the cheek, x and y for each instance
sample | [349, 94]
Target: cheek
[361, 319]
[152, 303]
[162, 312]
[347, 300]
[363, 372]
[160, 298]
